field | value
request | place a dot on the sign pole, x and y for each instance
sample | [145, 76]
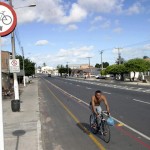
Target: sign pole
[16, 89]
[1, 106]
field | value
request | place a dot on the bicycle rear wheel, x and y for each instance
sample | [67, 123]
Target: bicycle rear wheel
[105, 132]
[92, 122]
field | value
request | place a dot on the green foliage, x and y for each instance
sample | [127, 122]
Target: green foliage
[62, 69]
[103, 72]
[105, 65]
[116, 69]
[97, 66]
[137, 65]
[145, 57]
[28, 64]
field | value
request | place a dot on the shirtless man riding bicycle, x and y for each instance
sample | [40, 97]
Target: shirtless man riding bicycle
[95, 103]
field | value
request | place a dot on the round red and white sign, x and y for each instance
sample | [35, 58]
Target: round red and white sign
[14, 62]
[8, 19]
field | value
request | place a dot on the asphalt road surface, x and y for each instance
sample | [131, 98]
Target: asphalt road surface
[65, 116]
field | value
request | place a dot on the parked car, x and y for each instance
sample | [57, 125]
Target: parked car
[100, 76]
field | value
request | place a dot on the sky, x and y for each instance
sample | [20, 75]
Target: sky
[59, 31]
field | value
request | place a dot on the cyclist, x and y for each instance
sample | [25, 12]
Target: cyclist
[95, 106]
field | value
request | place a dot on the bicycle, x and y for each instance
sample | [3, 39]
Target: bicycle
[102, 128]
[6, 19]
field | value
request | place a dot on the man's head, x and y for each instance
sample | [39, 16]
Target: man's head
[98, 94]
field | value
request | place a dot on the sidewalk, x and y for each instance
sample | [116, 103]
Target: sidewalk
[22, 129]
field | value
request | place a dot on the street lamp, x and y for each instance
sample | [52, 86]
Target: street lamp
[33, 5]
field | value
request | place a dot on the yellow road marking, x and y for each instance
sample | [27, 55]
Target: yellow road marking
[120, 124]
[100, 146]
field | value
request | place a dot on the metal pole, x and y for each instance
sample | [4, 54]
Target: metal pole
[68, 69]
[16, 89]
[1, 106]
[24, 81]
[119, 55]
[89, 65]
[101, 52]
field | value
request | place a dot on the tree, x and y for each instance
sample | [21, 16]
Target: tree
[29, 66]
[117, 70]
[105, 65]
[62, 69]
[145, 57]
[97, 66]
[137, 65]
[44, 64]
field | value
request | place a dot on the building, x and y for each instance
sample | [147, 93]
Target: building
[6, 80]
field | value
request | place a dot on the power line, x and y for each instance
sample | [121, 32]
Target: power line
[130, 45]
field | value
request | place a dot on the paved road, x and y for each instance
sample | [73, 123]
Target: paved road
[64, 114]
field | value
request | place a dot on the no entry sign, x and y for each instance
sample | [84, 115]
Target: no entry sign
[14, 65]
[8, 19]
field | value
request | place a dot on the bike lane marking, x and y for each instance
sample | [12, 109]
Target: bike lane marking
[120, 122]
[92, 137]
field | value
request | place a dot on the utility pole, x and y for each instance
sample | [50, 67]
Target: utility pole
[101, 52]
[15, 104]
[68, 69]
[24, 80]
[1, 106]
[89, 64]
[119, 55]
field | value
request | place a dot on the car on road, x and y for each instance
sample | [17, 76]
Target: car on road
[100, 76]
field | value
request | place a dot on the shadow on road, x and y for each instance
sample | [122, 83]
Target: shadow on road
[87, 129]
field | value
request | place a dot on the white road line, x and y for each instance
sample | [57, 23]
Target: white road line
[141, 101]
[127, 126]
[77, 85]
[88, 88]
[106, 92]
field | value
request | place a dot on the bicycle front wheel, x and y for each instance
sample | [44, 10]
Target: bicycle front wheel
[93, 122]
[105, 132]
[6, 20]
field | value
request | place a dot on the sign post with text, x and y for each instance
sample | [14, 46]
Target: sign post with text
[8, 22]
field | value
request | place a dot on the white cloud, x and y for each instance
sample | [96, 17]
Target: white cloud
[118, 30]
[106, 24]
[41, 42]
[73, 55]
[97, 19]
[77, 14]
[136, 8]
[146, 47]
[49, 11]
[72, 27]
[102, 6]
[133, 52]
